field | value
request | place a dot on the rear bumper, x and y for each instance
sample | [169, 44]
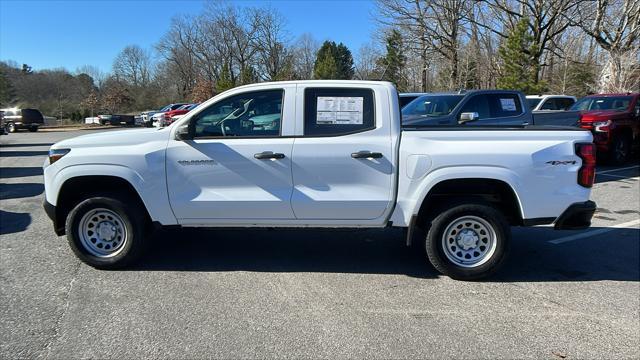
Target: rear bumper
[577, 216]
[50, 210]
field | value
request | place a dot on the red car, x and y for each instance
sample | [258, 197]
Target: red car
[614, 120]
[179, 111]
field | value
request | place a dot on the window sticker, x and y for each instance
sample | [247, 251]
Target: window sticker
[339, 110]
[508, 104]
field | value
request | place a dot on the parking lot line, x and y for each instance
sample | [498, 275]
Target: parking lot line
[594, 232]
[620, 169]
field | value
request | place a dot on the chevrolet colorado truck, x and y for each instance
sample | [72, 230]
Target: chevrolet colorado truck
[319, 154]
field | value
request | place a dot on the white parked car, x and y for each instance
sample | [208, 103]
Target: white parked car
[550, 102]
[326, 154]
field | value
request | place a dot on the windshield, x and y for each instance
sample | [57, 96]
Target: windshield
[192, 106]
[533, 102]
[165, 109]
[432, 105]
[619, 103]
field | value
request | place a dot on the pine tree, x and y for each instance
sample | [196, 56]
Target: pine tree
[344, 61]
[519, 70]
[224, 82]
[393, 62]
[333, 62]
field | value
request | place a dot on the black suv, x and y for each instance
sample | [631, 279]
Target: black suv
[16, 119]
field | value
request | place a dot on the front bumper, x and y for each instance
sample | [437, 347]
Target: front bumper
[577, 216]
[52, 214]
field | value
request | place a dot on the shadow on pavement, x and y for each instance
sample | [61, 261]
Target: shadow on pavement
[24, 145]
[14, 172]
[11, 222]
[264, 250]
[610, 256]
[16, 191]
[22, 153]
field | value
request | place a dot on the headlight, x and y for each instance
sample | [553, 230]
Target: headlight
[602, 126]
[57, 154]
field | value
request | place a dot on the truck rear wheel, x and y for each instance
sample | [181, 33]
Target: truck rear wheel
[468, 241]
[106, 232]
[33, 129]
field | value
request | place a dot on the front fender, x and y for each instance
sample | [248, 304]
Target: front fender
[152, 193]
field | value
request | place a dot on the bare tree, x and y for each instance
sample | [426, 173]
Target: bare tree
[133, 66]
[177, 48]
[433, 27]
[615, 26]
[96, 74]
[305, 50]
[546, 20]
[274, 57]
[366, 64]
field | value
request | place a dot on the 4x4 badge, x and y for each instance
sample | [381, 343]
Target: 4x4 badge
[562, 162]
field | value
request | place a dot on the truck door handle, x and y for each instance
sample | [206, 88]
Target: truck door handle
[366, 155]
[267, 155]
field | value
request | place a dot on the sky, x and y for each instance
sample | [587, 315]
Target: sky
[70, 34]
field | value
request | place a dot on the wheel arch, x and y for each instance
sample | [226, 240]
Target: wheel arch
[496, 191]
[75, 189]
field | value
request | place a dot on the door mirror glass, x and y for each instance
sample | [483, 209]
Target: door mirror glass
[182, 133]
[466, 117]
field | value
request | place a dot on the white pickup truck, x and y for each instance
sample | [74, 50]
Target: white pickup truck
[320, 154]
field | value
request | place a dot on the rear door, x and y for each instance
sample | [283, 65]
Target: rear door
[343, 157]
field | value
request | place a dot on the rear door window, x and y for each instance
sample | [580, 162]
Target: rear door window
[492, 108]
[504, 105]
[337, 111]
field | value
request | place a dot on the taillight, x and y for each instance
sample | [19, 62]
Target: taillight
[587, 172]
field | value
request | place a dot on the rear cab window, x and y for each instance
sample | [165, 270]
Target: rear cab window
[338, 111]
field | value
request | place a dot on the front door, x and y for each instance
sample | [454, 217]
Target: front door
[238, 165]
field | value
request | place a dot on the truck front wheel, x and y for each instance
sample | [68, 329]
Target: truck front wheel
[468, 241]
[106, 232]
[620, 150]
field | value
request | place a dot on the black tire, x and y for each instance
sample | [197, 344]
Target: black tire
[620, 150]
[11, 128]
[133, 222]
[494, 256]
[33, 129]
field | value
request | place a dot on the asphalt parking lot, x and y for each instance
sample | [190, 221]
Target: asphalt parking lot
[314, 294]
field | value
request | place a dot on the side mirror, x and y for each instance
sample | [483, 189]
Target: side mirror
[466, 117]
[183, 133]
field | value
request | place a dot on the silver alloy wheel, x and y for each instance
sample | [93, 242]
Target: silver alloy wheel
[11, 127]
[469, 241]
[102, 232]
